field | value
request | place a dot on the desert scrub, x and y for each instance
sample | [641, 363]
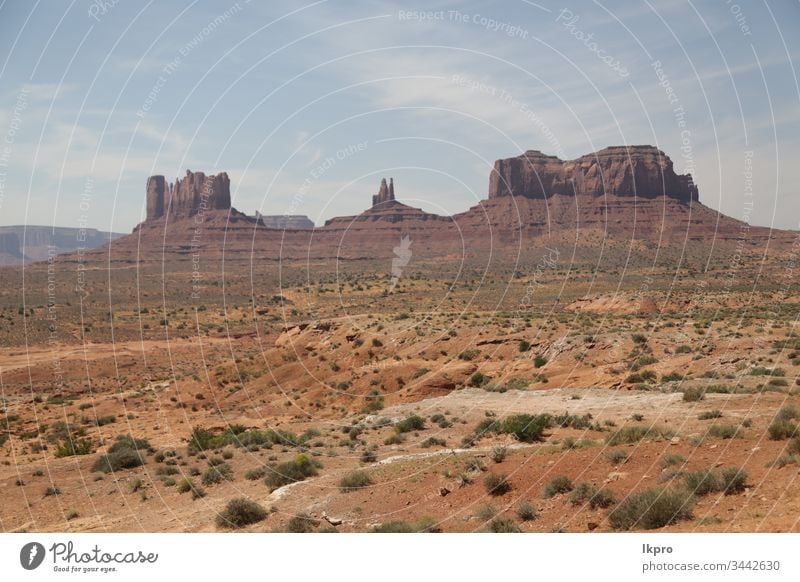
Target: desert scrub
[498, 453]
[617, 456]
[354, 481]
[301, 523]
[502, 525]
[556, 486]
[496, 484]
[217, 474]
[670, 460]
[526, 511]
[126, 453]
[693, 395]
[725, 431]
[586, 493]
[293, 471]
[652, 509]
[239, 513]
[709, 415]
[634, 433]
[410, 423]
[729, 481]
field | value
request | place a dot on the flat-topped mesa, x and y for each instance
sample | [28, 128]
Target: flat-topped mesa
[285, 221]
[191, 195]
[385, 192]
[643, 171]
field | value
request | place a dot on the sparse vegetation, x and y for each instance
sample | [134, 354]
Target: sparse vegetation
[652, 509]
[557, 486]
[354, 481]
[239, 513]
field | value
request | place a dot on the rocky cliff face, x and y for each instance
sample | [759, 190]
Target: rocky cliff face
[191, 195]
[642, 171]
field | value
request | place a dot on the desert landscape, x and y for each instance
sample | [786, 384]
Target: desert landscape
[590, 348]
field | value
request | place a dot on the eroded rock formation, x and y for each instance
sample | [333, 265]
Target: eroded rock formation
[285, 221]
[194, 193]
[385, 192]
[642, 171]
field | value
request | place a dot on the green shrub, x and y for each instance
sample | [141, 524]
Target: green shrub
[354, 481]
[433, 442]
[394, 439]
[293, 471]
[557, 485]
[789, 412]
[702, 482]
[524, 346]
[793, 448]
[733, 480]
[725, 431]
[634, 433]
[239, 513]
[709, 414]
[395, 527]
[539, 361]
[526, 511]
[684, 349]
[498, 453]
[125, 453]
[525, 427]
[496, 484]
[586, 493]
[255, 474]
[693, 395]
[217, 474]
[478, 379]
[672, 377]
[503, 525]
[423, 524]
[72, 447]
[408, 424]
[301, 523]
[617, 456]
[780, 430]
[671, 459]
[651, 509]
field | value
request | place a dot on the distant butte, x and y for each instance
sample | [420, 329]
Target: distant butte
[619, 194]
[642, 171]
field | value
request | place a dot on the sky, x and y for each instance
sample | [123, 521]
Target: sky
[307, 105]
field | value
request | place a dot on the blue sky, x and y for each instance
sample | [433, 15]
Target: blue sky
[306, 105]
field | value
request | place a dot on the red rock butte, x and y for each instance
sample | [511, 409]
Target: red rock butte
[607, 199]
[643, 171]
